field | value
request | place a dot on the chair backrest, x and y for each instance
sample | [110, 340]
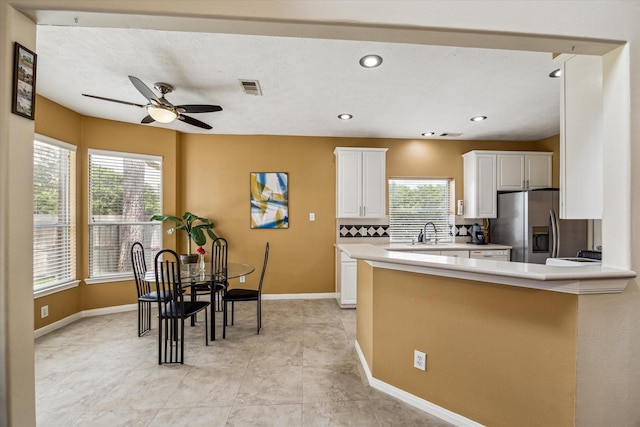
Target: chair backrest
[219, 253]
[168, 280]
[139, 265]
[264, 267]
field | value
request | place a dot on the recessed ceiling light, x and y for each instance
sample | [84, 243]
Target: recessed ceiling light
[370, 61]
[555, 73]
[428, 133]
[478, 118]
[345, 116]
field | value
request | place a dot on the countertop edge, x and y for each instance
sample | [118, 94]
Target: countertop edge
[574, 280]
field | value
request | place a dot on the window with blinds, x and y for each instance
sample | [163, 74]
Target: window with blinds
[54, 221]
[125, 190]
[413, 203]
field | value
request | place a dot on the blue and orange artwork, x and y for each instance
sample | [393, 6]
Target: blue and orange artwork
[269, 200]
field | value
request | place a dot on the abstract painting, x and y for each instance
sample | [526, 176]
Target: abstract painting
[269, 200]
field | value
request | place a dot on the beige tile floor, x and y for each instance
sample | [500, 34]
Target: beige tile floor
[302, 370]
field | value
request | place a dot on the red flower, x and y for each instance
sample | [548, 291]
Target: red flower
[201, 250]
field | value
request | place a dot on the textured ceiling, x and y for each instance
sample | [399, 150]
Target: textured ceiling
[305, 82]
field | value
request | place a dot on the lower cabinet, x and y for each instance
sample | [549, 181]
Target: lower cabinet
[346, 280]
[455, 254]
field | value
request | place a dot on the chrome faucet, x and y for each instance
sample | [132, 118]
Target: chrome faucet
[424, 232]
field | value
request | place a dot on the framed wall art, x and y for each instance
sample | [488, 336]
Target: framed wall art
[269, 200]
[24, 82]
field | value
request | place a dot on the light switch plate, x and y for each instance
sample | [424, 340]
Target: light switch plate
[312, 216]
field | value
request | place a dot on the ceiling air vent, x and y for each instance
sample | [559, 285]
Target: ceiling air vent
[251, 87]
[451, 134]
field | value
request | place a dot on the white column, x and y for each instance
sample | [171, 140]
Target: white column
[17, 379]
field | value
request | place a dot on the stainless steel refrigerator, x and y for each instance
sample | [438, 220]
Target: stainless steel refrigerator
[529, 222]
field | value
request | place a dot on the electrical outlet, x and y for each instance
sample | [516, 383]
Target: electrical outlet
[44, 311]
[242, 279]
[419, 360]
[312, 216]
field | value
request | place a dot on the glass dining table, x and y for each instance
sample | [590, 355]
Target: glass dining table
[193, 272]
[192, 275]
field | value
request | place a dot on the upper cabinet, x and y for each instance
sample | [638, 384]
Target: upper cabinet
[361, 182]
[524, 170]
[480, 199]
[487, 172]
[581, 138]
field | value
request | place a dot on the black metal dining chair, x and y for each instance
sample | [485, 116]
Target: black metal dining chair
[238, 294]
[219, 283]
[145, 295]
[174, 310]
[214, 287]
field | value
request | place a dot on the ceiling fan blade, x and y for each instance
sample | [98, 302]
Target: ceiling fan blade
[114, 100]
[144, 90]
[147, 119]
[193, 121]
[196, 108]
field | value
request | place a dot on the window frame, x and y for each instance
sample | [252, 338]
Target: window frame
[127, 275]
[444, 231]
[71, 280]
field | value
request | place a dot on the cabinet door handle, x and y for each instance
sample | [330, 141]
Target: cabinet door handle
[364, 211]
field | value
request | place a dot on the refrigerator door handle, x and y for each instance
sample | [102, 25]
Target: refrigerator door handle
[555, 234]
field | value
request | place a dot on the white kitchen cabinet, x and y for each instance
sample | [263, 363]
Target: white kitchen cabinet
[480, 200]
[361, 182]
[455, 254]
[523, 170]
[346, 280]
[581, 138]
[487, 172]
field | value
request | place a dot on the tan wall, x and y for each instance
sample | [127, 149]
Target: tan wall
[364, 313]
[499, 355]
[131, 138]
[63, 124]
[209, 176]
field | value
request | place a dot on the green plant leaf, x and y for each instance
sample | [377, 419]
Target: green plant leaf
[198, 236]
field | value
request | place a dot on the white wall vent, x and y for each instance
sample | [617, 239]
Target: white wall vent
[451, 134]
[251, 87]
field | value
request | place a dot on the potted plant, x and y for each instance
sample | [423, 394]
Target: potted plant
[195, 227]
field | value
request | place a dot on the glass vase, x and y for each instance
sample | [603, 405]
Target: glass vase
[201, 262]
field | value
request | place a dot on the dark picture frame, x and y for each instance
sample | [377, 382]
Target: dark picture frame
[24, 82]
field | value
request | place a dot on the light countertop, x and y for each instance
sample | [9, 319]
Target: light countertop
[575, 280]
[448, 246]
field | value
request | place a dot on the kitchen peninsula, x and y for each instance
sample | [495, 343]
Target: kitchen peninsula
[504, 341]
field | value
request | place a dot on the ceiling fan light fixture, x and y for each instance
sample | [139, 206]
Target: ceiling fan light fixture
[161, 115]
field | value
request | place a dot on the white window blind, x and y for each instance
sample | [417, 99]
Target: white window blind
[125, 190]
[413, 203]
[54, 220]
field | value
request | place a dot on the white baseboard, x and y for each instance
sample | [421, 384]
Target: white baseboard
[86, 313]
[131, 307]
[415, 401]
[328, 295]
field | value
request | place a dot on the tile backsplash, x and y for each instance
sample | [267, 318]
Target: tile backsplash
[378, 229]
[367, 230]
[364, 230]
